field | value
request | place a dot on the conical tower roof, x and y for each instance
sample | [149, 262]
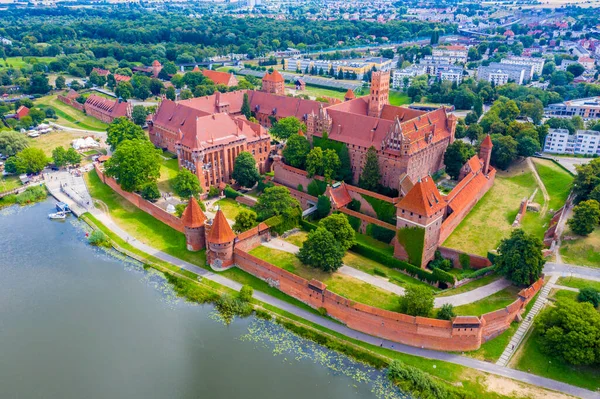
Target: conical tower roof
[487, 142]
[193, 217]
[220, 232]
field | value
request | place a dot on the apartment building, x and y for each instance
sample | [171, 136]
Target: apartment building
[456, 53]
[587, 108]
[583, 142]
[536, 63]
[400, 75]
[500, 74]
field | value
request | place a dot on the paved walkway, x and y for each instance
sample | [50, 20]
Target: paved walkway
[68, 187]
[541, 185]
[77, 130]
[516, 339]
[473, 295]
[342, 329]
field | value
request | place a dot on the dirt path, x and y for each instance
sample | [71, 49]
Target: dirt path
[542, 186]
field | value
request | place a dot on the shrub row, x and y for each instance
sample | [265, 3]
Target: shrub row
[438, 275]
[307, 226]
[481, 272]
[386, 211]
[422, 384]
[231, 193]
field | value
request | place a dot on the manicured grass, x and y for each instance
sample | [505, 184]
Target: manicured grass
[345, 286]
[371, 242]
[18, 62]
[471, 285]
[49, 141]
[230, 207]
[494, 213]
[398, 98]
[493, 302]
[559, 294]
[168, 171]
[9, 183]
[578, 283]
[531, 358]
[583, 250]
[297, 238]
[314, 91]
[69, 116]
[557, 181]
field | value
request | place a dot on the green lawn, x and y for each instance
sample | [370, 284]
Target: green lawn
[471, 285]
[559, 294]
[315, 91]
[18, 62]
[398, 98]
[69, 116]
[557, 181]
[168, 171]
[583, 250]
[494, 213]
[493, 302]
[530, 358]
[578, 283]
[230, 207]
[9, 183]
[345, 286]
[371, 242]
[297, 238]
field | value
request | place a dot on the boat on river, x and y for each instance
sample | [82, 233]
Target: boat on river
[58, 215]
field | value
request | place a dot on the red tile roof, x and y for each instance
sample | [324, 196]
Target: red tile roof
[156, 63]
[339, 195]
[22, 111]
[220, 78]
[423, 199]
[281, 106]
[349, 94]
[196, 69]
[220, 232]
[114, 108]
[487, 142]
[193, 217]
[101, 72]
[121, 78]
[275, 76]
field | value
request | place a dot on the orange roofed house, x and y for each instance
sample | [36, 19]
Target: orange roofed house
[273, 83]
[106, 110]
[221, 78]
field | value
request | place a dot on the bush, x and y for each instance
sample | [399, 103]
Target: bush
[386, 211]
[179, 208]
[440, 263]
[589, 294]
[231, 193]
[307, 226]
[378, 272]
[213, 192]
[354, 205]
[322, 311]
[323, 206]
[99, 239]
[30, 195]
[316, 188]
[481, 272]
[414, 380]
[380, 233]
[228, 307]
[150, 191]
[446, 312]
[246, 293]
[262, 185]
[300, 188]
[262, 314]
[464, 260]
[354, 222]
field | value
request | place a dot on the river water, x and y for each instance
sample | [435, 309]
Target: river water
[79, 322]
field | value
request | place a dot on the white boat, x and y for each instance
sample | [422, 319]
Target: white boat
[57, 215]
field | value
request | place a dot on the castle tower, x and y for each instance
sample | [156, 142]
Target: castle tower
[349, 95]
[219, 240]
[380, 92]
[485, 153]
[273, 83]
[156, 68]
[418, 221]
[194, 223]
[452, 121]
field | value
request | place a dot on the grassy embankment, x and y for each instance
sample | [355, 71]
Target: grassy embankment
[19, 62]
[473, 381]
[69, 116]
[496, 211]
[583, 250]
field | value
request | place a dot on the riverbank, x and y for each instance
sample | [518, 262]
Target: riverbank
[476, 383]
[31, 195]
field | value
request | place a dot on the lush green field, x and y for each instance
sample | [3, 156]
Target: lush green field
[345, 286]
[168, 171]
[230, 207]
[398, 98]
[69, 116]
[9, 183]
[493, 302]
[583, 250]
[470, 285]
[557, 181]
[18, 62]
[578, 283]
[315, 91]
[530, 358]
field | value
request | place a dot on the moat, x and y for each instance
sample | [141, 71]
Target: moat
[76, 321]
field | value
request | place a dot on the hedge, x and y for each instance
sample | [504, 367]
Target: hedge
[413, 240]
[354, 222]
[492, 257]
[389, 261]
[316, 188]
[231, 193]
[307, 226]
[380, 233]
[481, 272]
[386, 211]
[465, 260]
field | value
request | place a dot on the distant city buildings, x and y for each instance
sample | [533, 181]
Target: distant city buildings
[351, 69]
[401, 77]
[536, 63]
[583, 142]
[456, 53]
[587, 108]
[499, 74]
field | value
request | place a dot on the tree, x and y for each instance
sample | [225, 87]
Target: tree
[296, 150]
[170, 93]
[275, 201]
[457, 154]
[571, 332]
[286, 127]
[585, 217]
[589, 294]
[331, 163]
[520, 258]
[59, 155]
[12, 142]
[60, 82]
[124, 90]
[139, 115]
[344, 172]
[586, 180]
[370, 176]
[141, 92]
[576, 69]
[155, 86]
[186, 184]
[341, 229]
[37, 115]
[29, 160]
[323, 206]
[314, 162]
[122, 129]
[134, 163]
[417, 301]
[246, 107]
[150, 191]
[245, 220]
[446, 312]
[504, 151]
[474, 131]
[321, 250]
[72, 156]
[245, 172]
[38, 84]
[527, 146]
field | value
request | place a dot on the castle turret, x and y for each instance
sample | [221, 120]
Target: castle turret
[452, 121]
[194, 221]
[485, 153]
[219, 239]
[380, 92]
[156, 68]
[349, 95]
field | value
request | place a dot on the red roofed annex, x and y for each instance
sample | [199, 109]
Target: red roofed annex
[106, 110]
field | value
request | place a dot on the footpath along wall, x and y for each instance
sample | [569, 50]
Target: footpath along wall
[146, 206]
[464, 333]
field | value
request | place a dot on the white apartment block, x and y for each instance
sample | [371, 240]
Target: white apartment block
[500, 74]
[399, 75]
[536, 63]
[583, 142]
[455, 75]
[455, 53]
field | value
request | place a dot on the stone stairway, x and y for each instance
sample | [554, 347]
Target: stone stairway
[516, 340]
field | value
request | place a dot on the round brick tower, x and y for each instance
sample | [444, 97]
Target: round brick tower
[219, 239]
[194, 222]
